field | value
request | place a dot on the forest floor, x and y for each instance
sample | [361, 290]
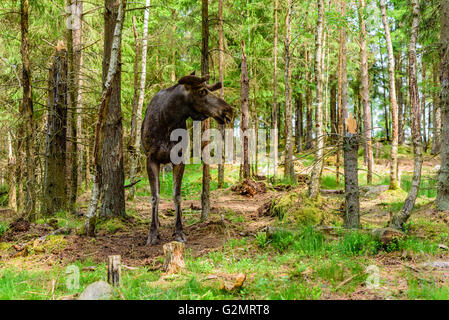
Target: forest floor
[303, 262]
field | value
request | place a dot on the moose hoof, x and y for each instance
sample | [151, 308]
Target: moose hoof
[180, 237]
[153, 239]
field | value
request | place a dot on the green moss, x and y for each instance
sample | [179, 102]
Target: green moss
[4, 246]
[296, 207]
[111, 225]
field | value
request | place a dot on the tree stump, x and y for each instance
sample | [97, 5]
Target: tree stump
[388, 235]
[174, 257]
[114, 270]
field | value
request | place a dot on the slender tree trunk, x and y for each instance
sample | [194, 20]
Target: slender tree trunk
[77, 65]
[11, 179]
[143, 76]
[299, 121]
[333, 109]
[275, 111]
[55, 187]
[112, 72]
[309, 107]
[436, 144]
[424, 118]
[289, 167]
[72, 113]
[205, 195]
[221, 166]
[442, 201]
[113, 175]
[367, 130]
[315, 179]
[393, 101]
[27, 105]
[401, 217]
[244, 125]
[131, 147]
[401, 135]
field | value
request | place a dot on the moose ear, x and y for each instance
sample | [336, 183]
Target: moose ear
[193, 73]
[215, 87]
[193, 80]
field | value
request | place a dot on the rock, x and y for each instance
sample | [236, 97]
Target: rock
[373, 190]
[236, 285]
[437, 264]
[388, 235]
[99, 290]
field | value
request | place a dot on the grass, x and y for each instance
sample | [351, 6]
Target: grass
[427, 187]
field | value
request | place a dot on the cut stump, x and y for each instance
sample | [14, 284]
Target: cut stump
[174, 257]
[114, 270]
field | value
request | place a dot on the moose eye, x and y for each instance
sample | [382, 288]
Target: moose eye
[202, 92]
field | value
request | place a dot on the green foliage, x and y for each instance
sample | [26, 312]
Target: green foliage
[3, 227]
[4, 195]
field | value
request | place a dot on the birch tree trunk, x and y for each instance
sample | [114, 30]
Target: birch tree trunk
[111, 74]
[401, 135]
[442, 201]
[11, 179]
[309, 107]
[401, 217]
[367, 130]
[315, 178]
[393, 101]
[143, 76]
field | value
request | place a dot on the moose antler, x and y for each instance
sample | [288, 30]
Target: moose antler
[193, 80]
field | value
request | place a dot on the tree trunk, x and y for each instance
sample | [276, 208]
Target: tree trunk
[135, 157]
[436, 144]
[442, 201]
[350, 154]
[27, 114]
[401, 134]
[113, 70]
[275, 111]
[367, 130]
[315, 178]
[221, 165]
[393, 101]
[55, 187]
[113, 175]
[424, 118]
[244, 125]
[71, 113]
[289, 170]
[11, 179]
[401, 218]
[309, 107]
[205, 194]
[299, 121]
[333, 109]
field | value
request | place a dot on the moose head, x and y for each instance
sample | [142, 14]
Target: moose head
[203, 102]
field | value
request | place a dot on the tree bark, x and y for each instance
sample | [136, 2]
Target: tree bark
[205, 194]
[401, 217]
[275, 111]
[11, 179]
[309, 107]
[367, 130]
[401, 134]
[289, 170]
[393, 101]
[221, 166]
[436, 144]
[299, 130]
[135, 156]
[113, 70]
[315, 178]
[424, 118]
[244, 125]
[113, 175]
[28, 115]
[442, 201]
[55, 187]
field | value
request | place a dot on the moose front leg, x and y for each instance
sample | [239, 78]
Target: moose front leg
[178, 172]
[153, 176]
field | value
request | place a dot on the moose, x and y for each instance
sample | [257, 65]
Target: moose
[169, 109]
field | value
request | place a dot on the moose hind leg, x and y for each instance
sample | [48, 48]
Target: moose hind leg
[178, 171]
[153, 176]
